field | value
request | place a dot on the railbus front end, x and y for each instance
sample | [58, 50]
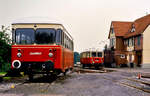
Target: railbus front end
[41, 48]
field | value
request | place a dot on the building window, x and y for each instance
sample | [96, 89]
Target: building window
[128, 42]
[122, 56]
[131, 42]
[138, 40]
[133, 28]
[112, 41]
[112, 30]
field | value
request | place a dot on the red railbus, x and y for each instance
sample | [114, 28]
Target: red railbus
[92, 58]
[41, 48]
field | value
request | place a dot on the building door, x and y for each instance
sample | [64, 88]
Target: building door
[139, 58]
[130, 58]
[131, 61]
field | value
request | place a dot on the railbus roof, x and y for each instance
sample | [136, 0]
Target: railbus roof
[46, 24]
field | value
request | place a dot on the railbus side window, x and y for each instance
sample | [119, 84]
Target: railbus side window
[65, 41]
[58, 36]
[62, 39]
[69, 44]
[13, 36]
[72, 45]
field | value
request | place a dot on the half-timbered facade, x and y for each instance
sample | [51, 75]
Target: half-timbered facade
[131, 41]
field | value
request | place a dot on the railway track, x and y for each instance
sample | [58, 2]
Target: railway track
[39, 80]
[79, 69]
[132, 84]
[123, 81]
[128, 82]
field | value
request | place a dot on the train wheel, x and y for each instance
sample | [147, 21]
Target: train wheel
[1, 79]
[13, 73]
[97, 67]
[65, 72]
[54, 76]
[83, 66]
[48, 74]
[30, 76]
[71, 70]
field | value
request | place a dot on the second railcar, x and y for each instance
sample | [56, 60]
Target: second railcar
[92, 58]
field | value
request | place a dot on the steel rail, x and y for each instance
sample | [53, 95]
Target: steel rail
[129, 85]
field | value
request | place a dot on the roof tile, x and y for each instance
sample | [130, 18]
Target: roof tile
[121, 27]
[140, 25]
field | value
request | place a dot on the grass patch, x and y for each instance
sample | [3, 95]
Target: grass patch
[6, 78]
[2, 73]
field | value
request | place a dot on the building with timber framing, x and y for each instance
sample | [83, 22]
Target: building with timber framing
[130, 42]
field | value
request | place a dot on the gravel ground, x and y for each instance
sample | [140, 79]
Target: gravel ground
[75, 84]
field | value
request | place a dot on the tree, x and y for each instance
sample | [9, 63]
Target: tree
[5, 47]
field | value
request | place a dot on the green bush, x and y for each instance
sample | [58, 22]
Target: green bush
[5, 48]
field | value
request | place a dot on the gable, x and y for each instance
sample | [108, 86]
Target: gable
[120, 28]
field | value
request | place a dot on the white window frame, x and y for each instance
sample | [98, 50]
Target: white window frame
[122, 56]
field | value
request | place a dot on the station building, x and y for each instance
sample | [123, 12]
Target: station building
[130, 42]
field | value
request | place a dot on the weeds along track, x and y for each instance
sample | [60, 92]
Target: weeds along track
[40, 80]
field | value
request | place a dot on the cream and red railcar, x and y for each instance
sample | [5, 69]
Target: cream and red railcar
[41, 48]
[92, 58]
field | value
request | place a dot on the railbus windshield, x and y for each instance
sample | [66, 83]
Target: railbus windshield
[45, 36]
[91, 54]
[38, 36]
[24, 36]
[99, 54]
[94, 54]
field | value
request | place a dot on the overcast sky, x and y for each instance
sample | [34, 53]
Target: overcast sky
[88, 21]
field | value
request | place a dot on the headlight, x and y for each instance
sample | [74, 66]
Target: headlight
[19, 55]
[50, 54]
[16, 64]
